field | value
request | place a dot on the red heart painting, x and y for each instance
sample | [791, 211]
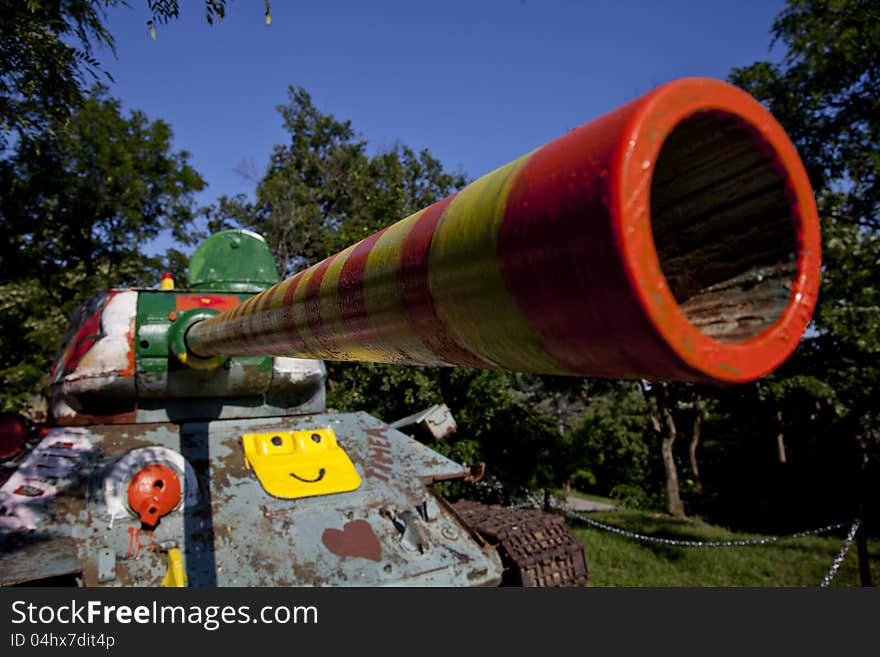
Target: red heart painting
[355, 539]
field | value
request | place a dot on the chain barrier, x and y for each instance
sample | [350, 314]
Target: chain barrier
[683, 543]
[847, 543]
[835, 566]
[533, 503]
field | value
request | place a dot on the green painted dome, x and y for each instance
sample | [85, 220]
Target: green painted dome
[237, 260]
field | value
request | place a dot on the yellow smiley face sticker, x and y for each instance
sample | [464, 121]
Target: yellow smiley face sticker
[292, 464]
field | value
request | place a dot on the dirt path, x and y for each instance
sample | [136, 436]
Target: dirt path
[580, 504]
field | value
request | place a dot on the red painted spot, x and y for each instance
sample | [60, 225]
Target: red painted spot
[213, 301]
[28, 491]
[84, 339]
[153, 492]
[128, 370]
[134, 541]
[13, 434]
[133, 533]
[355, 539]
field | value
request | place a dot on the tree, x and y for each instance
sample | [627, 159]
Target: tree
[661, 405]
[322, 192]
[46, 54]
[47, 57]
[77, 206]
[607, 451]
[826, 93]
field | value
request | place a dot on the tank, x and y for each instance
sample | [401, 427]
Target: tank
[188, 442]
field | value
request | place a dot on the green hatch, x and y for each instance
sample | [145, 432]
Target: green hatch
[236, 260]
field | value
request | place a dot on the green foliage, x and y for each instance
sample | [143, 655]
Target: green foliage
[520, 446]
[77, 206]
[31, 321]
[47, 57]
[609, 452]
[322, 191]
[162, 11]
[389, 392]
[826, 94]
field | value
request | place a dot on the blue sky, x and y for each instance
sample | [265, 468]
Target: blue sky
[477, 83]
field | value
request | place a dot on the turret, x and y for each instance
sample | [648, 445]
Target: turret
[123, 358]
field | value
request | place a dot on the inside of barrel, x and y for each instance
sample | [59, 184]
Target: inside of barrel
[721, 217]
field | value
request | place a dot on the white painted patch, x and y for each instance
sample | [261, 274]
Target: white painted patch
[296, 376]
[112, 353]
[57, 456]
[298, 366]
[251, 233]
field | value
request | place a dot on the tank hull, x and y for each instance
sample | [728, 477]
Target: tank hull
[391, 530]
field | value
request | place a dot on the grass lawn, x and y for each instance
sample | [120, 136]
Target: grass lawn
[619, 561]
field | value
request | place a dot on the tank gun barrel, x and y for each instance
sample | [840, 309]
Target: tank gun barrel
[674, 238]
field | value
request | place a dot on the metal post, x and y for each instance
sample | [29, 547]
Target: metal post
[862, 550]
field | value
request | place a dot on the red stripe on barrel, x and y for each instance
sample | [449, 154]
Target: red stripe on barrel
[311, 306]
[352, 302]
[416, 291]
[559, 257]
[289, 325]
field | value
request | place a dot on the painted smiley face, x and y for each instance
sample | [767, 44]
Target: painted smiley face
[293, 464]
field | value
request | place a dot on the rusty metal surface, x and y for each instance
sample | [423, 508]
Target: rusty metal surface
[179, 410]
[538, 549]
[390, 531]
[37, 560]
[187, 409]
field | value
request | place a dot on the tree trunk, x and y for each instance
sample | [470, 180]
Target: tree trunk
[663, 416]
[695, 441]
[780, 440]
